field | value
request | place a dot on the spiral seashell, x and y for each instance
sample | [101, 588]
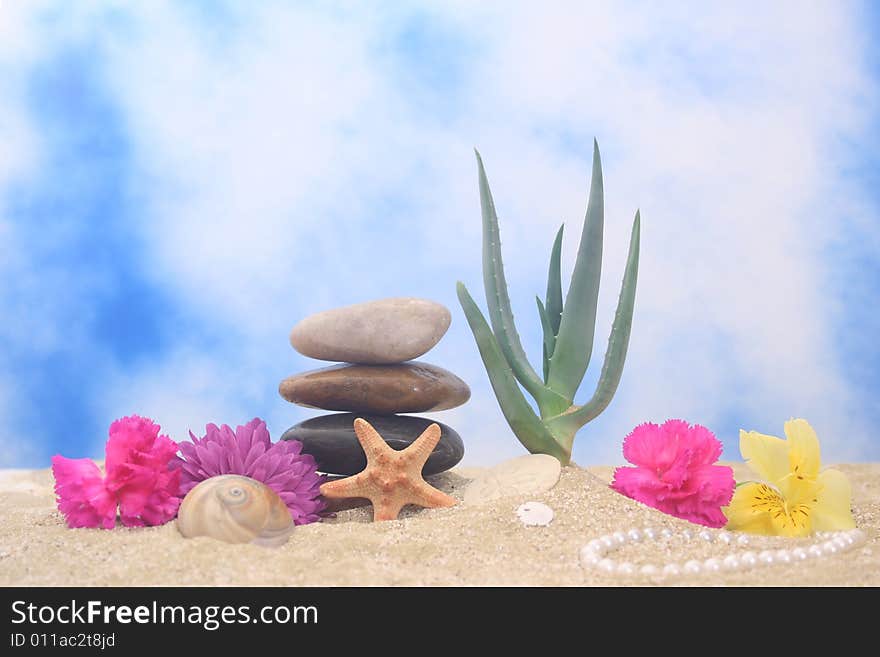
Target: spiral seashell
[235, 509]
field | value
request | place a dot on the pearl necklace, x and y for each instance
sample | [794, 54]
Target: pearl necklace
[593, 554]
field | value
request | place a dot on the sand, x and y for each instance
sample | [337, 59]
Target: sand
[459, 546]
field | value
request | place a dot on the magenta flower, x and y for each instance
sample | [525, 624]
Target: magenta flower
[138, 472]
[139, 480]
[249, 451]
[82, 498]
[675, 471]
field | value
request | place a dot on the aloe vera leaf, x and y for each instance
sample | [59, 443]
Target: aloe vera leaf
[553, 301]
[497, 299]
[574, 342]
[618, 342]
[549, 338]
[530, 431]
[545, 361]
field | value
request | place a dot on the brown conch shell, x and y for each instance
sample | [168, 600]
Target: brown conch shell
[235, 509]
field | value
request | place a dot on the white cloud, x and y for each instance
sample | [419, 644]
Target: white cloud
[288, 163]
[185, 392]
[725, 129]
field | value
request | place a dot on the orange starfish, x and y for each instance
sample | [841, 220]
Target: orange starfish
[392, 478]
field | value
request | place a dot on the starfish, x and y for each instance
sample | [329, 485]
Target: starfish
[392, 478]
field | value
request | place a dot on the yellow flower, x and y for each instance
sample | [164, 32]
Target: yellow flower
[797, 498]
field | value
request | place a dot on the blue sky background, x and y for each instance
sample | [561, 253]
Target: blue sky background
[180, 183]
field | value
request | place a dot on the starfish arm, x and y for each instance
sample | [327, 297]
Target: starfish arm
[374, 445]
[348, 487]
[424, 494]
[421, 448]
[387, 508]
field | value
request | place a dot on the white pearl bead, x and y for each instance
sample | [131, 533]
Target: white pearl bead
[706, 536]
[800, 554]
[748, 559]
[606, 565]
[712, 565]
[650, 533]
[766, 557]
[731, 562]
[841, 543]
[608, 542]
[619, 538]
[725, 537]
[829, 548]
[687, 534]
[634, 535]
[671, 569]
[742, 539]
[595, 546]
[625, 568]
[815, 551]
[666, 533]
[589, 558]
[782, 556]
[847, 539]
[692, 567]
[858, 536]
[648, 570]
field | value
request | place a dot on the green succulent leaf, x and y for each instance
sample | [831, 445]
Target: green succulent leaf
[618, 342]
[574, 342]
[554, 286]
[497, 299]
[568, 329]
[549, 338]
[519, 414]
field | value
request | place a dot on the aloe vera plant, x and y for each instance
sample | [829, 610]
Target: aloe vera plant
[568, 330]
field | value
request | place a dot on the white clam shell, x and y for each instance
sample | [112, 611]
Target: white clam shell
[534, 514]
[235, 509]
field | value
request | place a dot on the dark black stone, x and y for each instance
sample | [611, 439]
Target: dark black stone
[333, 443]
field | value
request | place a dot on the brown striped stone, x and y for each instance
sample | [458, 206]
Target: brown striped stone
[412, 387]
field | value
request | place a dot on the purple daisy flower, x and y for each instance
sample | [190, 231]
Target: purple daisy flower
[249, 451]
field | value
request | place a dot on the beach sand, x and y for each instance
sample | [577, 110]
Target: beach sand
[458, 546]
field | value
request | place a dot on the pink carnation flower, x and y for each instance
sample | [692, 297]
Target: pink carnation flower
[675, 473]
[82, 497]
[139, 480]
[250, 452]
[138, 472]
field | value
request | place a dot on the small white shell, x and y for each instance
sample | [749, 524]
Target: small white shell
[235, 509]
[534, 514]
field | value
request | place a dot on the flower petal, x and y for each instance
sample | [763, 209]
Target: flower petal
[832, 510]
[640, 484]
[83, 498]
[651, 446]
[766, 455]
[743, 513]
[803, 449]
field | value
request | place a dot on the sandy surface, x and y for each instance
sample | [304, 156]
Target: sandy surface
[458, 546]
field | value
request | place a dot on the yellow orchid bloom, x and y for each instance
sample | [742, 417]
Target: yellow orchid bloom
[797, 498]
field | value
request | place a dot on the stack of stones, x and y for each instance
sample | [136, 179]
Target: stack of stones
[378, 380]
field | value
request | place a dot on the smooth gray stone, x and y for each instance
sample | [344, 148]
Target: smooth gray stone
[376, 332]
[333, 443]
